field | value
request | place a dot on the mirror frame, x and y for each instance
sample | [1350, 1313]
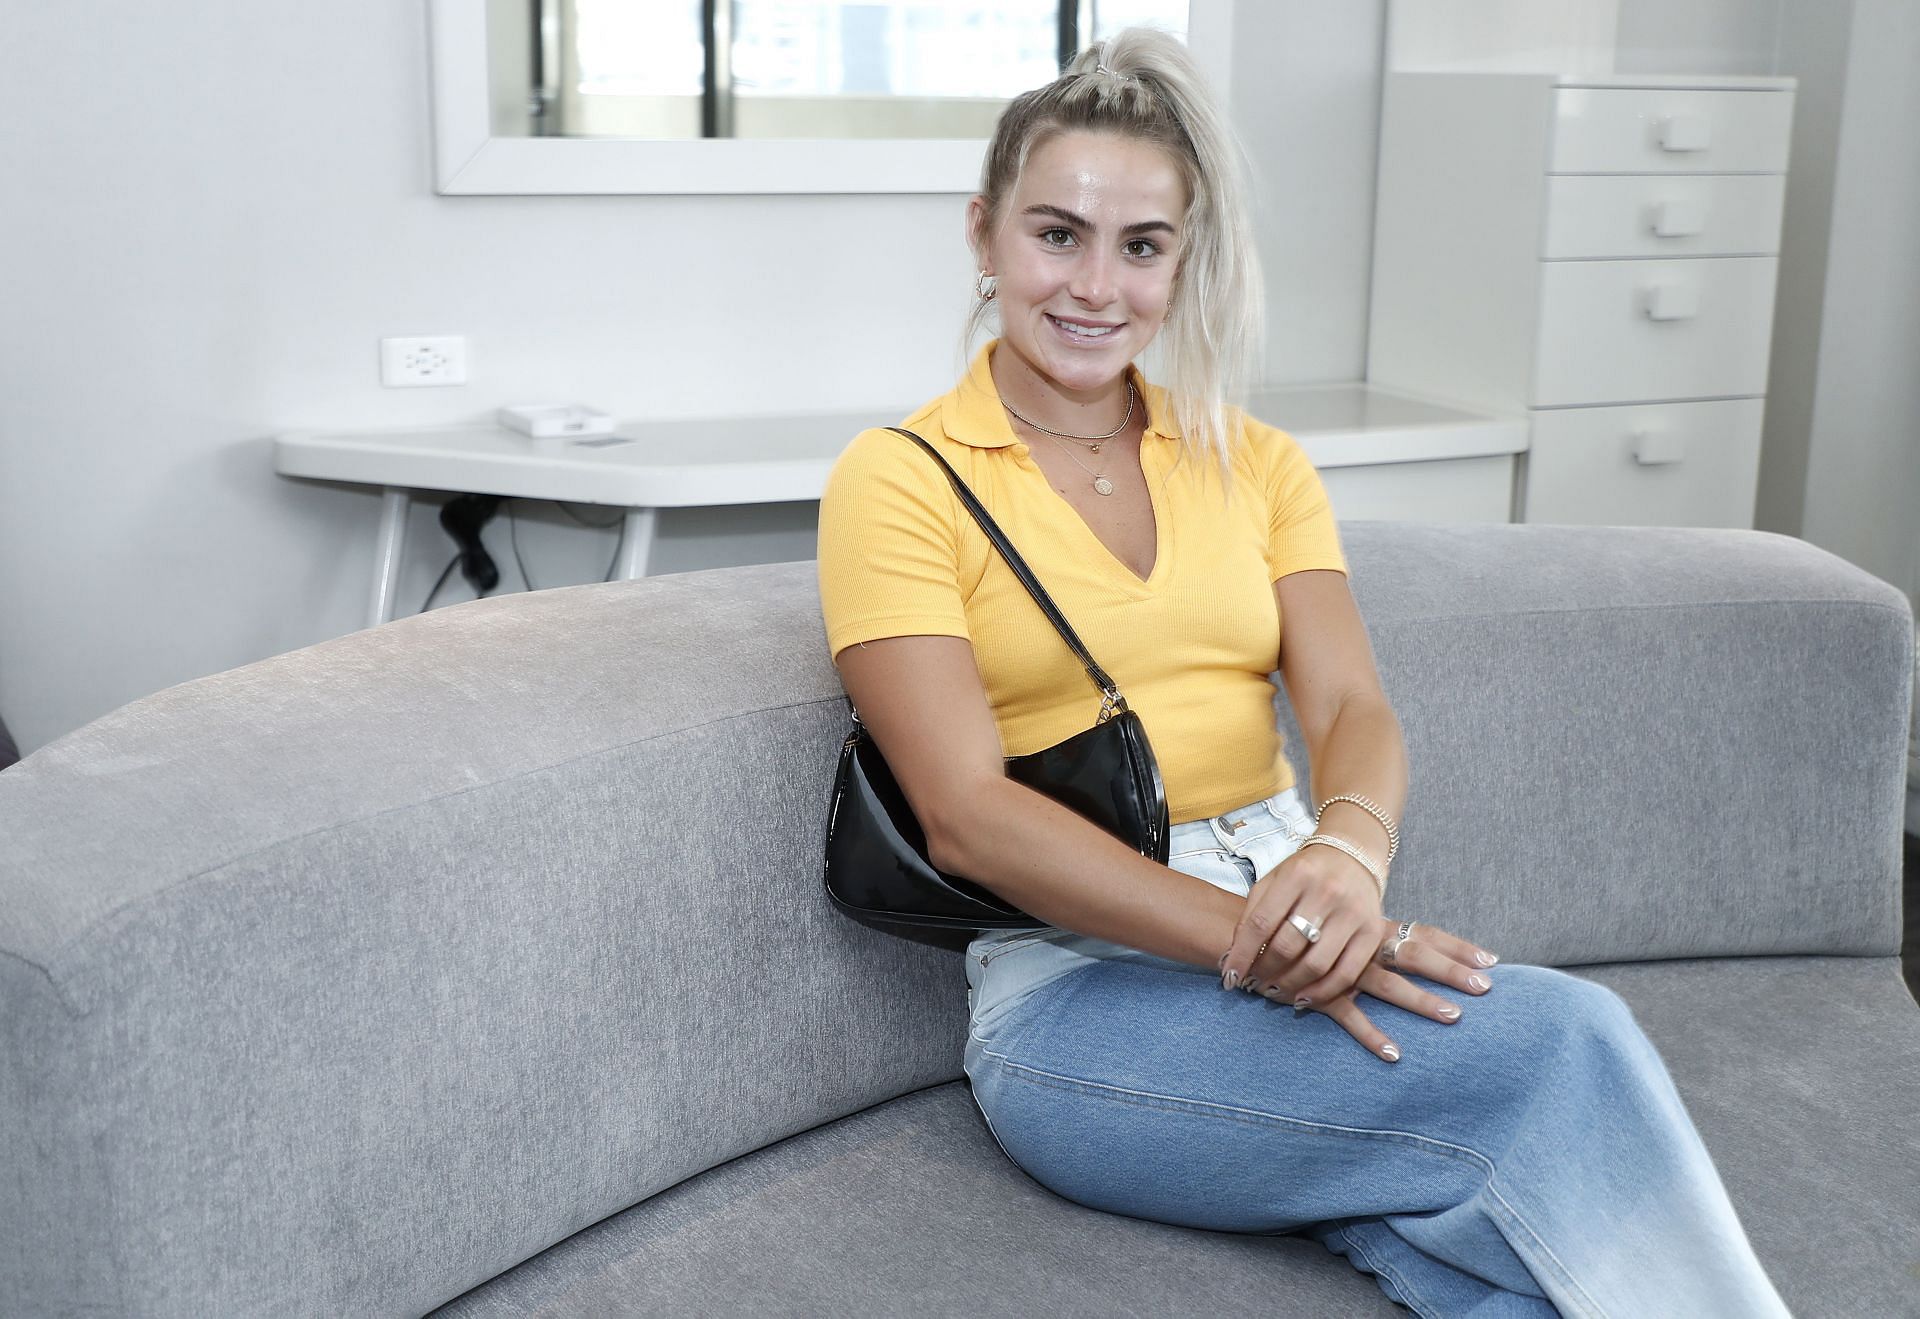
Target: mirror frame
[470, 161]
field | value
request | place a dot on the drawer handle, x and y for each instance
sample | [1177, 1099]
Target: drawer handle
[1657, 448]
[1685, 132]
[1672, 302]
[1679, 219]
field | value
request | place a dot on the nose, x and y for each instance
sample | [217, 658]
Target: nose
[1093, 284]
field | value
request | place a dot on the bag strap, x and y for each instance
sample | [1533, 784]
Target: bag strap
[1111, 701]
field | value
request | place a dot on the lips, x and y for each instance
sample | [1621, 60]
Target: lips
[1081, 332]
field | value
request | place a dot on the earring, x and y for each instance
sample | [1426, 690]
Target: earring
[986, 286]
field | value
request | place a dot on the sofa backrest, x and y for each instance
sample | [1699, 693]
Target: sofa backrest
[346, 980]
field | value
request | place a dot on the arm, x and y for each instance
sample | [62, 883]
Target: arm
[1352, 737]
[922, 699]
[1353, 745]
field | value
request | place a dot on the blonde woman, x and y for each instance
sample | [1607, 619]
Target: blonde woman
[1482, 1139]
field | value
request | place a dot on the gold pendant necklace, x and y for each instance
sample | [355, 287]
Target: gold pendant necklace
[1101, 485]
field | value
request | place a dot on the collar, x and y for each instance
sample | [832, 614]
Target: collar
[974, 415]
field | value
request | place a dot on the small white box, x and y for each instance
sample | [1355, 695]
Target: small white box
[549, 421]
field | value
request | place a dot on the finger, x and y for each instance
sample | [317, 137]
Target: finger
[1452, 945]
[1341, 931]
[1384, 985]
[1423, 959]
[1352, 963]
[1351, 1019]
[1262, 922]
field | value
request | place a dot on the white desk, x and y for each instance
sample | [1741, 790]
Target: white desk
[759, 460]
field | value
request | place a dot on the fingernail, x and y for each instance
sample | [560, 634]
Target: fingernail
[1480, 982]
[1391, 1052]
[1302, 1004]
[1252, 985]
[1449, 1013]
[1231, 980]
[1485, 958]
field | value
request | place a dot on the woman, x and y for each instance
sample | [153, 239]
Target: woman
[1506, 1150]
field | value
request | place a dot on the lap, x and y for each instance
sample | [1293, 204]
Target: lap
[1139, 1085]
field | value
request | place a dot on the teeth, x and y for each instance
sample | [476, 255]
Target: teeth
[1085, 331]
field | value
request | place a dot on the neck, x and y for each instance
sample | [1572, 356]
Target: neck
[1046, 401]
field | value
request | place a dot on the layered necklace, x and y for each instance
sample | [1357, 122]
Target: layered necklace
[1101, 485]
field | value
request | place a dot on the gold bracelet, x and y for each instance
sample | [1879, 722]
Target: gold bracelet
[1371, 807]
[1342, 845]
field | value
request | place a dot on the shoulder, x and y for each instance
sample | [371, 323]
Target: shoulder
[881, 461]
[1264, 452]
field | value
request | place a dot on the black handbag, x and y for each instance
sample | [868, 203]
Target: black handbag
[876, 866]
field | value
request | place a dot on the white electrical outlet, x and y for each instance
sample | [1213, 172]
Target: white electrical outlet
[433, 360]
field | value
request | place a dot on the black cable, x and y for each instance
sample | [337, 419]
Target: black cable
[513, 538]
[444, 574]
[615, 559]
[583, 522]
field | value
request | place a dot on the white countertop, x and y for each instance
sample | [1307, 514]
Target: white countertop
[753, 460]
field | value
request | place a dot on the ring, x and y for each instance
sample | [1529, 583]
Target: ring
[1308, 930]
[1390, 950]
[1259, 952]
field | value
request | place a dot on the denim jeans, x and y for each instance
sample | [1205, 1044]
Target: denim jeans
[1533, 1157]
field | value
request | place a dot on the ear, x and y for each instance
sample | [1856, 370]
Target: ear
[977, 232]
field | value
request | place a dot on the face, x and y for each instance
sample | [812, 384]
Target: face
[1084, 257]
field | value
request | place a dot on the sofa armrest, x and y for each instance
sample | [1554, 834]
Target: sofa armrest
[1631, 743]
[344, 981]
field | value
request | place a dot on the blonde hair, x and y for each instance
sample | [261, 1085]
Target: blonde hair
[1142, 84]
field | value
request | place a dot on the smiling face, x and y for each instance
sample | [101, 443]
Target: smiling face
[1084, 258]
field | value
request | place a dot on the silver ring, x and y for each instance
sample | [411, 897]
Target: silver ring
[1308, 930]
[1390, 950]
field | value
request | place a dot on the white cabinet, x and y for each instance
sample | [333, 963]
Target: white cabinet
[1599, 254]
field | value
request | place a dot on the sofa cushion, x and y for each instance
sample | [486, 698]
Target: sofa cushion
[1800, 1073]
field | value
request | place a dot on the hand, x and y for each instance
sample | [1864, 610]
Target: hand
[1429, 952]
[1329, 891]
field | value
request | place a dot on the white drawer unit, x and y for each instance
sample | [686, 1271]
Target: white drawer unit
[1676, 130]
[1559, 246]
[1663, 464]
[1453, 490]
[1595, 216]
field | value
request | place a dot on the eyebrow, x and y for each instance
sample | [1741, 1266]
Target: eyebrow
[1075, 221]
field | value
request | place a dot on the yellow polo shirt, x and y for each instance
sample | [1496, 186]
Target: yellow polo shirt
[1190, 647]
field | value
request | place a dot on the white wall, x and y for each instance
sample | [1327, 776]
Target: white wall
[1862, 497]
[205, 240]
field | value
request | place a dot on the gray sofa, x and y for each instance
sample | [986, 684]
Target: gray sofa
[481, 960]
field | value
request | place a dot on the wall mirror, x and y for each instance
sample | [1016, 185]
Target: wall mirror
[754, 96]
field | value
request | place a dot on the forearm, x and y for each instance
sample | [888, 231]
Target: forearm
[1361, 753]
[1054, 865]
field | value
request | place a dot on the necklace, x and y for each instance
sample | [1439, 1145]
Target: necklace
[1092, 441]
[1101, 485]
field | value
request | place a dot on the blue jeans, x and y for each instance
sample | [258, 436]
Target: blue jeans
[1533, 1157]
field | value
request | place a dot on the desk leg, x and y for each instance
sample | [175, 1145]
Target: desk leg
[386, 557]
[636, 545]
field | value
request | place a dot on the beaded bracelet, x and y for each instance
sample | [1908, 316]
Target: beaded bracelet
[1372, 808]
[1342, 845]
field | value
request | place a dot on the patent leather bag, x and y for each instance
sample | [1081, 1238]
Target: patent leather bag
[877, 869]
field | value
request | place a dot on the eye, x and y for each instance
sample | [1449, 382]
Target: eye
[1141, 249]
[1058, 236]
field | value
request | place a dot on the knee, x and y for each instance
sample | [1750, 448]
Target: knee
[1563, 1008]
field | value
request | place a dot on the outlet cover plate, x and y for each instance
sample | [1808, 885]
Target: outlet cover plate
[423, 361]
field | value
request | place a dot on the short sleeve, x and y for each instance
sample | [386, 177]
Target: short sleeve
[889, 546]
[1301, 533]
